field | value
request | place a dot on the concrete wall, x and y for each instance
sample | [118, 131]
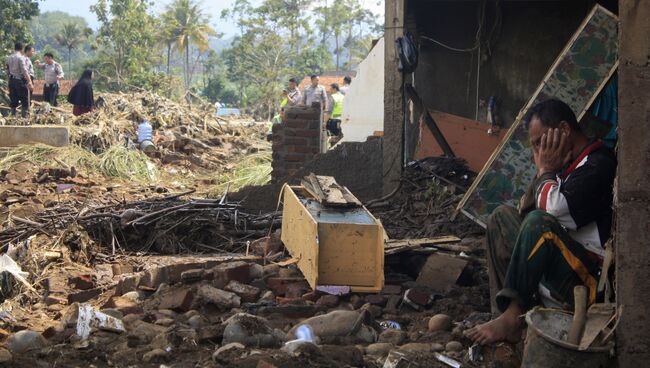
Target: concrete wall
[526, 37]
[632, 203]
[363, 107]
[11, 136]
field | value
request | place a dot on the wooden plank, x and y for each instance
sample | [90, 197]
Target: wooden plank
[315, 185]
[440, 272]
[441, 242]
[351, 254]
[330, 188]
[300, 235]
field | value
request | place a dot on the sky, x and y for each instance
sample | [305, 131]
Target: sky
[212, 7]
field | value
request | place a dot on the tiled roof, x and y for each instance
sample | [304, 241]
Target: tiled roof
[328, 78]
[64, 87]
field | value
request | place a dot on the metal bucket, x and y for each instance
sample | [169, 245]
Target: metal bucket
[545, 346]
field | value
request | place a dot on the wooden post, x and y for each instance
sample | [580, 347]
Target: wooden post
[393, 143]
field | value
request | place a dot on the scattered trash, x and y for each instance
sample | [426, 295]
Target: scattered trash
[9, 265]
[90, 318]
[394, 359]
[334, 289]
[390, 325]
[447, 360]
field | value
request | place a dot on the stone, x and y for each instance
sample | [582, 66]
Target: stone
[155, 356]
[53, 299]
[300, 347]
[250, 330]
[375, 310]
[165, 322]
[328, 301]
[210, 333]
[416, 347]
[394, 337]
[153, 277]
[267, 296]
[288, 272]
[226, 349]
[179, 300]
[25, 340]
[264, 364]
[207, 294]
[356, 301]
[193, 275]
[256, 271]
[5, 356]
[136, 296]
[120, 269]
[225, 272]
[440, 322]
[454, 346]
[337, 324]
[379, 349]
[437, 347]
[144, 331]
[281, 286]
[376, 299]
[196, 321]
[271, 270]
[392, 290]
[247, 293]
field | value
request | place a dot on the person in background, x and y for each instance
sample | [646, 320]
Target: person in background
[346, 85]
[81, 95]
[19, 81]
[333, 115]
[53, 73]
[292, 94]
[315, 93]
[28, 53]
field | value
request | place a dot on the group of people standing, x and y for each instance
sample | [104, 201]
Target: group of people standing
[330, 100]
[21, 77]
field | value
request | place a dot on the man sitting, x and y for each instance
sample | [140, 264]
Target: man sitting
[559, 243]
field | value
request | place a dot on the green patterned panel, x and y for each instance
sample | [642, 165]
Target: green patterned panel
[576, 77]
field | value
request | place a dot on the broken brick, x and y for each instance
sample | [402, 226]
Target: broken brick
[280, 285]
[82, 282]
[220, 298]
[179, 300]
[127, 284]
[247, 293]
[152, 278]
[418, 297]
[120, 269]
[393, 304]
[328, 300]
[55, 299]
[84, 296]
[224, 273]
[192, 275]
[124, 305]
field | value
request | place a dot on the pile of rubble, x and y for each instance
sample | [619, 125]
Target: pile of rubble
[230, 311]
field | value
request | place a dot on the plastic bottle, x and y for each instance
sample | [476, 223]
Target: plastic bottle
[145, 132]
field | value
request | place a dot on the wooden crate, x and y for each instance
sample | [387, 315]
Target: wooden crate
[342, 247]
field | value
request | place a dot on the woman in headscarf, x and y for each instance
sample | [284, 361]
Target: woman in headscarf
[81, 95]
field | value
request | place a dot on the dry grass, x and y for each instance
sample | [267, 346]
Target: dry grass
[250, 170]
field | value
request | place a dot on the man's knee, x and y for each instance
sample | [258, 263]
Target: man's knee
[539, 220]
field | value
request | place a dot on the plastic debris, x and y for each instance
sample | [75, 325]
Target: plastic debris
[9, 265]
[90, 318]
[390, 325]
[447, 360]
[334, 289]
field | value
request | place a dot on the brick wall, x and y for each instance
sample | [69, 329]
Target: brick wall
[295, 141]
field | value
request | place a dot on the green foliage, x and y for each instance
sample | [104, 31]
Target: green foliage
[70, 37]
[14, 15]
[126, 43]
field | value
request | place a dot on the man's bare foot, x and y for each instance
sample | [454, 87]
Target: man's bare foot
[506, 327]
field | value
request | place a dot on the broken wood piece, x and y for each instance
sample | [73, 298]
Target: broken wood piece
[328, 192]
[440, 272]
[579, 315]
[440, 242]
[599, 316]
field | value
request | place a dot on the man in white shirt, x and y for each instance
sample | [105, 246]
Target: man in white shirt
[53, 73]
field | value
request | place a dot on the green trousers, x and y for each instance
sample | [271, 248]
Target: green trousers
[524, 253]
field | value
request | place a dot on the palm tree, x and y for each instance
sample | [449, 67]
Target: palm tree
[70, 37]
[193, 29]
[169, 34]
